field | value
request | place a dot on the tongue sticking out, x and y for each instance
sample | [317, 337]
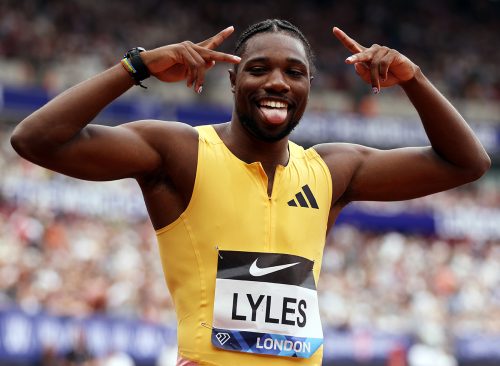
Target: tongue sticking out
[274, 115]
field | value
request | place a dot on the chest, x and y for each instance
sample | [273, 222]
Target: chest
[235, 204]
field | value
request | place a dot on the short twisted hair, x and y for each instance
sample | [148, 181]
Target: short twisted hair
[274, 26]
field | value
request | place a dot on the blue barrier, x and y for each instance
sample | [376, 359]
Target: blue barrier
[381, 131]
[478, 347]
[24, 336]
[400, 221]
[110, 200]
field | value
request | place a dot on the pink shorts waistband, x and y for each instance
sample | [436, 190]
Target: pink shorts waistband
[185, 362]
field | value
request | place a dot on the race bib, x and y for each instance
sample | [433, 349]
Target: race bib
[266, 303]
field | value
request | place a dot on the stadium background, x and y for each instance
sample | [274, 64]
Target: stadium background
[407, 283]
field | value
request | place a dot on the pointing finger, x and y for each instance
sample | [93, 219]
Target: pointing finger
[360, 57]
[347, 41]
[210, 55]
[216, 41]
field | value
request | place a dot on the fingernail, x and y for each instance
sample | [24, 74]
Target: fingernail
[237, 58]
[350, 58]
[200, 89]
[230, 27]
[375, 90]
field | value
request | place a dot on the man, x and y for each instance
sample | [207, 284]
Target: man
[241, 213]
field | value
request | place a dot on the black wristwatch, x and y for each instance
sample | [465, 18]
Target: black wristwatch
[132, 62]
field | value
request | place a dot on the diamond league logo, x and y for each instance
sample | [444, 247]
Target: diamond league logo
[222, 338]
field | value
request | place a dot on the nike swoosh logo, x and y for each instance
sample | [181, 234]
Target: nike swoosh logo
[257, 272]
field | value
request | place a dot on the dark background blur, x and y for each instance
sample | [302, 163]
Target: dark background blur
[408, 283]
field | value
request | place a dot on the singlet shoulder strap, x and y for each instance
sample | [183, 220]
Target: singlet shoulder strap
[296, 151]
[207, 133]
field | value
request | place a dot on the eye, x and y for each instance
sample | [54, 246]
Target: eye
[295, 72]
[257, 70]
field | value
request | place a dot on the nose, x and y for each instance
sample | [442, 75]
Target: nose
[276, 82]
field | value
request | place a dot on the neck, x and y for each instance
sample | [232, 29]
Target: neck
[250, 149]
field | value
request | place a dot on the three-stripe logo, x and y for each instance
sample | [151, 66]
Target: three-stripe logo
[307, 201]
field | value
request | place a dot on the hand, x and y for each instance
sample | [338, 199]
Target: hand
[187, 60]
[379, 66]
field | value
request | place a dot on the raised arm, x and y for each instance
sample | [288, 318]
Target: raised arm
[455, 156]
[57, 136]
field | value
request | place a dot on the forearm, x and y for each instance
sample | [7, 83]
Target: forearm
[450, 136]
[67, 114]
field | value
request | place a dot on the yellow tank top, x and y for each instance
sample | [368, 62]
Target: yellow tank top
[231, 210]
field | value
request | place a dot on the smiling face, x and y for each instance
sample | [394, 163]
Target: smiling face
[271, 85]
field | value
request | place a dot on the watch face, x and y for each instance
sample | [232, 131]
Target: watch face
[135, 50]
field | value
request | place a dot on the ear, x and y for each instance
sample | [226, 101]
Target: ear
[232, 79]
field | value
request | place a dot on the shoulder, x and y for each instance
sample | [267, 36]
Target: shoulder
[176, 143]
[166, 137]
[345, 154]
[153, 130]
[343, 161]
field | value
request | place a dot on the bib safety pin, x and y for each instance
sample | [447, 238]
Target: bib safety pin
[218, 252]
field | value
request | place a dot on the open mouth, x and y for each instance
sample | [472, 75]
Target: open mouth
[274, 111]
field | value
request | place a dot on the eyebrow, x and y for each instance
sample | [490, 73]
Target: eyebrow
[292, 60]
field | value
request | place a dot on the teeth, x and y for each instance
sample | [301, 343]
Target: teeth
[273, 104]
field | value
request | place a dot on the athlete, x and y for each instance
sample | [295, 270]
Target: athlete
[241, 213]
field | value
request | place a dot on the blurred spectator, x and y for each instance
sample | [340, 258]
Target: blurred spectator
[57, 43]
[432, 287]
[118, 359]
[167, 356]
[424, 355]
[49, 357]
[79, 355]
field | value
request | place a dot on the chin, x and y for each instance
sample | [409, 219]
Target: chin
[267, 135]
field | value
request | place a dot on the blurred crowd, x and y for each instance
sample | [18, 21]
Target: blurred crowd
[71, 263]
[80, 262]
[57, 43]
[77, 264]
[428, 286]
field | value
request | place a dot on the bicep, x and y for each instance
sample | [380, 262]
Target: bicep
[360, 173]
[104, 153]
[401, 174]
